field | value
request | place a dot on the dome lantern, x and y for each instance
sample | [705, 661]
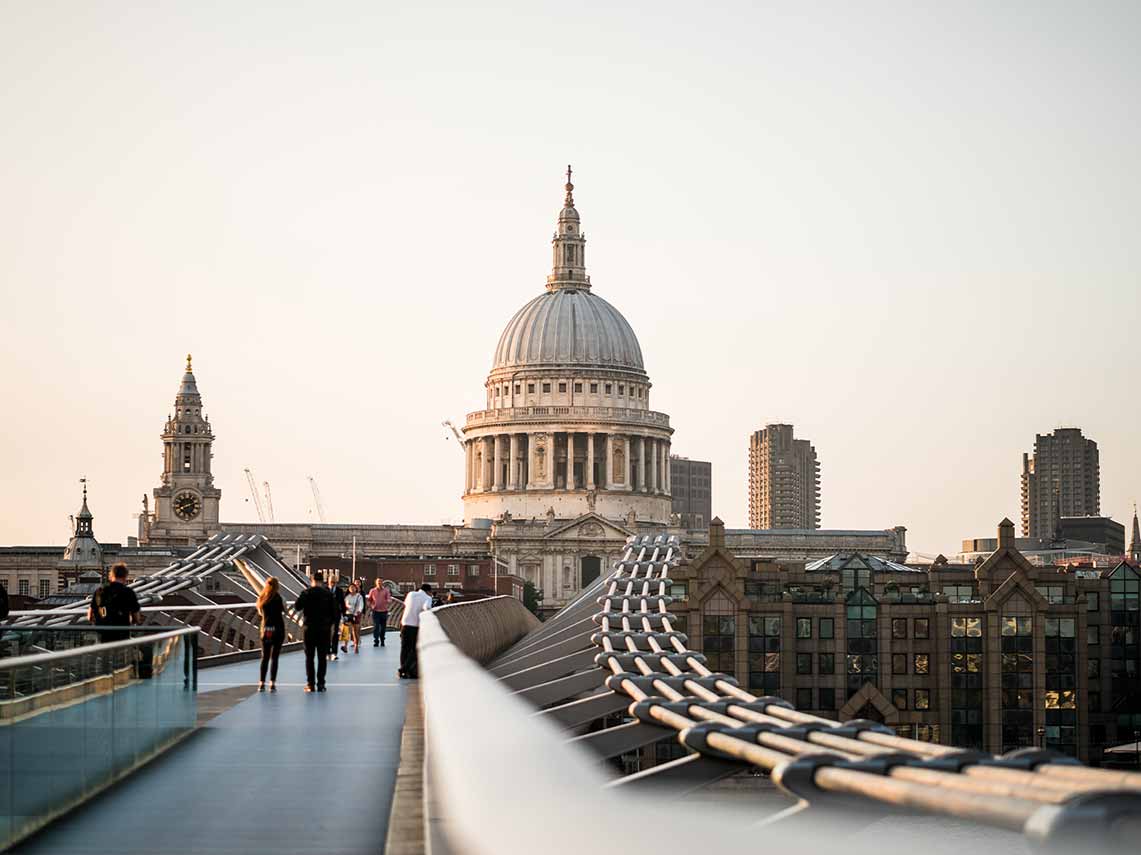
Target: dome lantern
[568, 267]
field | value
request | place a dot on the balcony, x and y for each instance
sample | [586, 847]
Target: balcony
[516, 415]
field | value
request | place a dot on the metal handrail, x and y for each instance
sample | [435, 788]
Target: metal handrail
[59, 655]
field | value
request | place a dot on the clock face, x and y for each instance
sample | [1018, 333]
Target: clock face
[187, 506]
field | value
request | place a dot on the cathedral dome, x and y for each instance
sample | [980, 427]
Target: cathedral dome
[568, 327]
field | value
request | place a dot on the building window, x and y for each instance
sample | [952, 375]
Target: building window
[1095, 707]
[827, 627]
[679, 591]
[1017, 682]
[1092, 602]
[577, 388]
[1093, 668]
[827, 663]
[764, 653]
[899, 663]
[967, 682]
[473, 569]
[594, 388]
[546, 388]
[921, 664]
[899, 627]
[855, 577]
[922, 627]
[863, 645]
[562, 387]
[453, 569]
[45, 587]
[923, 699]
[24, 587]
[827, 699]
[899, 698]
[429, 569]
[530, 388]
[959, 593]
[621, 389]
[719, 633]
[804, 627]
[1061, 685]
[497, 391]
[1093, 636]
[804, 663]
[1054, 594]
[804, 699]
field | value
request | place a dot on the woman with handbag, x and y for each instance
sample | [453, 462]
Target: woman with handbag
[354, 608]
[272, 610]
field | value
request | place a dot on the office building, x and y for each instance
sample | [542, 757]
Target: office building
[784, 480]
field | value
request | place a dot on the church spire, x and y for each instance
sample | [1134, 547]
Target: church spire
[1135, 540]
[568, 269]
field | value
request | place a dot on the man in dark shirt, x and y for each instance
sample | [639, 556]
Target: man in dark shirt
[317, 607]
[115, 604]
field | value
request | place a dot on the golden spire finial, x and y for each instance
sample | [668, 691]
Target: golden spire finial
[188, 363]
[569, 188]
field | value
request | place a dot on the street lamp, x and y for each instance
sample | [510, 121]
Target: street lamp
[1041, 736]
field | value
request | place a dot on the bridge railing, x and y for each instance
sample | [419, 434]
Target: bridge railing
[74, 721]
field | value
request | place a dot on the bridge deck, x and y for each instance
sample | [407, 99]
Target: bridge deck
[285, 772]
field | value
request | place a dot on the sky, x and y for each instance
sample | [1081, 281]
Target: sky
[909, 229]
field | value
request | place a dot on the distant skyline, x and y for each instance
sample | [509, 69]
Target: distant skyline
[907, 229]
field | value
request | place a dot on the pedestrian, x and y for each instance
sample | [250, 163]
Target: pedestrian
[354, 608]
[379, 599]
[318, 608]
[115, 604]
[272, 610]
[335, 630]
[415, 604]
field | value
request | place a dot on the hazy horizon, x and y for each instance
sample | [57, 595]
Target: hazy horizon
[907, 229]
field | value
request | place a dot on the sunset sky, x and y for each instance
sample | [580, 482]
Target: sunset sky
[909, 229]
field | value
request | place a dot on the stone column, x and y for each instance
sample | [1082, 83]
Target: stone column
[641, 464]
[608, 466]
[467, 468]
[590, 461]
[497, 463]
[655, 467]
[570, 460]
[513, 465]
[669, 483]
[631, 464]
[488, 472]
[530, 461]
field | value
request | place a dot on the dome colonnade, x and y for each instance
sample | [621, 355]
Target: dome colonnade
[567, 427]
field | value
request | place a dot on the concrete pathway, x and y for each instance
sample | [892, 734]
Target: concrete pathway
[283, 773]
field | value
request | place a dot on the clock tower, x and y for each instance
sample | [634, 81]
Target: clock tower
[186, 503]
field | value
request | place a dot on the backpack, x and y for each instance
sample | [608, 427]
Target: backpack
[111, 608]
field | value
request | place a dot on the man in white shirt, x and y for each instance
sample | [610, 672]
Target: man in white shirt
[415, 604]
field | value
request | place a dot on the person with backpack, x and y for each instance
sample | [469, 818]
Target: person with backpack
[415, 604]
[272, 610]
[115, 604]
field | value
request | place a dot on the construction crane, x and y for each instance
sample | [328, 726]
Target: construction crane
[317, 498]
[459, 436]
[268, 501]
[254, 493]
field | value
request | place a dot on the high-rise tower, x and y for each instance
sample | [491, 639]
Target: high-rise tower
[186, 503]
[1061, 478]
[784, 480]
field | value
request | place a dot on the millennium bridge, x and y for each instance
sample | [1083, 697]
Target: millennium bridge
[511, 742]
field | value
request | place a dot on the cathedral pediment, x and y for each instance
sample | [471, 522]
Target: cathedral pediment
[588, 527]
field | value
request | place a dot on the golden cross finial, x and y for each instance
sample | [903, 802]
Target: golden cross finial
[569, 187]
[188, 363]
[83, 481]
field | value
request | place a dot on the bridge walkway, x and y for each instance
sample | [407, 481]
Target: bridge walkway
[280, 772]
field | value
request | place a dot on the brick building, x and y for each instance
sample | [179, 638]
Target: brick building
[691, 485]
[1062, 478]
[784, 480]
[995, 656]
[468, 576]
